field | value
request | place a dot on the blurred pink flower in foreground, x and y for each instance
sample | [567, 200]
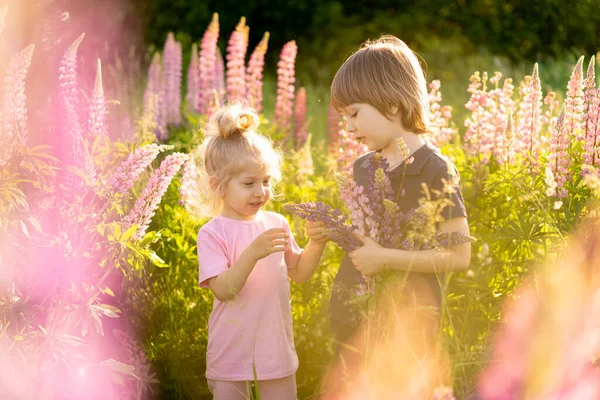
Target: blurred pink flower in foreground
[549, 342]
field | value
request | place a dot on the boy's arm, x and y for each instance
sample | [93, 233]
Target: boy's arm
[308, 262]
[372, 257]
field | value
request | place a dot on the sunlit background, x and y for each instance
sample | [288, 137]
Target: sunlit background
[103, 101]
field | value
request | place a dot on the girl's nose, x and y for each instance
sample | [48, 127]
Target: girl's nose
[350, 126]
[260, 192]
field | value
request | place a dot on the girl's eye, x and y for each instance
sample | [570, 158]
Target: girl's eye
[354, 114]
[248, 184]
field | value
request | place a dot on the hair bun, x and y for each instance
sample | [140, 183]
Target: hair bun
[232, 120]
[247, 121]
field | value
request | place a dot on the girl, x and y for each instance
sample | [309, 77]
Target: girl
[246, 256]
[381, 91]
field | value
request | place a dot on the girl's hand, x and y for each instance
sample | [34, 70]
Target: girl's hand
[314, 231]
[366, 259]
[269, 242]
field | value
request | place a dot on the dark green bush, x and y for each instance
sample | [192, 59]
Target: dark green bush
[327, 31]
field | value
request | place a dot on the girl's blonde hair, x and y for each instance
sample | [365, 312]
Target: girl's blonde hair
[232, 144]
[384, 73]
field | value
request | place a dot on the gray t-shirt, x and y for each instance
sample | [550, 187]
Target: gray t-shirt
[429, 167]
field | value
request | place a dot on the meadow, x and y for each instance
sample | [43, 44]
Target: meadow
[99, 273]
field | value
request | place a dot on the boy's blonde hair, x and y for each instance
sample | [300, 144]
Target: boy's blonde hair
[384, 73]
[232, 144]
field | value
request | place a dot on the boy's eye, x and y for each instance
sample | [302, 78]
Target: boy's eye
[248, 184]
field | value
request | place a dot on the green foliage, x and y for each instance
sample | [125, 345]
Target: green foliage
[64, 252]
[327, 31]
[519, 228]
[516, 225]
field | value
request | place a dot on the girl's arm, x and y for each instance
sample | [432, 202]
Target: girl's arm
[308, 262]
[311, 256]
[372, 257]
[227, 284]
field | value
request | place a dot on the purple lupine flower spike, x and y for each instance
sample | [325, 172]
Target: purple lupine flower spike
[68, 105]
[592, 121]
[153, 83]
[530, 118]
[154, 97]
[76, 153]
[558, 158]
[254, 74]
[476, 137]
[128, 171]
[589, 89]
[334, 219]
[300, 123]
[97, 113]
[148, 202]
[172, 80]
[441, 131]
[285, 87]
[347, 149]
[236, 62]
[592, 139]
[219, 76]
[489, 116]
[189, 182]
[193, 81]
[508, 139]
[504, 149]
[14, 112]
[574, 103]
[206, 64]
[68, 72]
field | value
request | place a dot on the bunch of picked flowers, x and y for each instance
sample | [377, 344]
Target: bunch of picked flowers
[374, 212]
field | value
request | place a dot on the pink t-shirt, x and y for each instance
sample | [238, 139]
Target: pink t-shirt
[258, 322]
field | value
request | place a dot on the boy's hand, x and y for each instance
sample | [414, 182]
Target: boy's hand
[314, 231]
[268, 242]
[366, 259]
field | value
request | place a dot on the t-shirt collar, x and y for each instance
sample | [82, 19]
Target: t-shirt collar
[420, 158]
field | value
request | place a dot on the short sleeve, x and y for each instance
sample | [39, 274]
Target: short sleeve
[292, 250]
[446, 173]
[212, 256]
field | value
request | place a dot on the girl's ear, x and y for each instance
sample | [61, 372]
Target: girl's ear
[212, 182]
[394, 110]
